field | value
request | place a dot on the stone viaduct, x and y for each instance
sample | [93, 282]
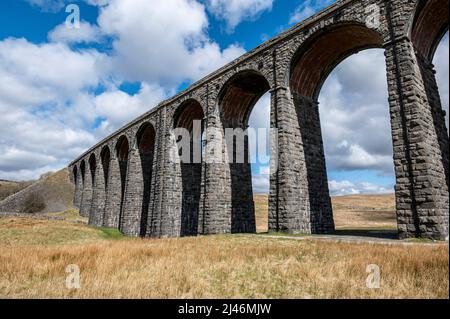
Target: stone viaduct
[128, 182]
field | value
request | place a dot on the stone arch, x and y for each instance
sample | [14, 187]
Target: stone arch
[191, 170]
[145, 138]
[317, 57]
[100, 181]
[239, 95]
[236, 101]
[310, 66]
[136, 206]
[186, 113]
[122, 153]
[428, 26]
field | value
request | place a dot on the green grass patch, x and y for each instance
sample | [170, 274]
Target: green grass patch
[110, 233]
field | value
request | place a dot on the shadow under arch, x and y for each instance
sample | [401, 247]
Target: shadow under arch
[145, 142]
[75, 174]
[105, 158]
[92, 168]
[236, 100]
[310, 66]
[82, 172]
[84, 192]
[122, 153]
[78, 189]
[191, 170]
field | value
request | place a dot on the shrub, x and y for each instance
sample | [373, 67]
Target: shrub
[34, 203]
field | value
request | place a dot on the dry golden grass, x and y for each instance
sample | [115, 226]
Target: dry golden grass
[24, 231]
[8, 188]
[262, 213]
[241, 266]
[69, 215]
[350, 212]
[365, 211]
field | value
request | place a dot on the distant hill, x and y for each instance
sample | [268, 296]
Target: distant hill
[8, 188]
[52, 193]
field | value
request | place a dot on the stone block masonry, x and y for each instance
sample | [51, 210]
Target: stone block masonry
[130, 181]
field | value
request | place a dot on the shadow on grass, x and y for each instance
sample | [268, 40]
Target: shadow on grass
[368, 233]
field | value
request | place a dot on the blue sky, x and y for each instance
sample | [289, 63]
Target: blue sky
[63, 90]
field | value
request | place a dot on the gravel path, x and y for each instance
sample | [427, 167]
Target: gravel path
[356, 240]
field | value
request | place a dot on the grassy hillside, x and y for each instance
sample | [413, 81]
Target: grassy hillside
[52, 193]
[7, 188]
[34, 256]
[350, 212]
[365, 211]
[27, 231]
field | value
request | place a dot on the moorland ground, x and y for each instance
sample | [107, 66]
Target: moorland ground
[34, 254]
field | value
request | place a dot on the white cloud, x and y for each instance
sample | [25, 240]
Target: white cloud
[164, 42]
[14, 159]
[261, 184]
[86, 33]
[308, 8]
[118, 107]
[339, 188]
[236, 11]
[48, 112]
[53, 69]
[355, 111]
[355, 115]
[48, 5]
[41, 124]
[48, 101]
[301, 14]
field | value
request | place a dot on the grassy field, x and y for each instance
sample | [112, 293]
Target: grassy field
[350, 212]
[34, 255]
